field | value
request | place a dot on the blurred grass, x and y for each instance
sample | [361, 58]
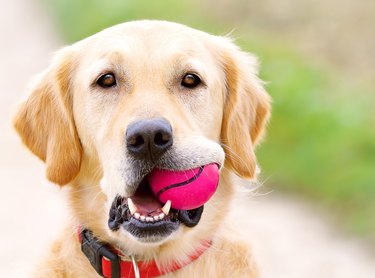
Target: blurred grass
[79, 19]
[321, 140]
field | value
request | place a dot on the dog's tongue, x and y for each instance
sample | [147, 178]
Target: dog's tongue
[145, 201]
[147, 205]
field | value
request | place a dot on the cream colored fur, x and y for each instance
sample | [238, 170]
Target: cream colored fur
[78, 129]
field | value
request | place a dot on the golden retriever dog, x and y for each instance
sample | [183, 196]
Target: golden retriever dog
[135, 97]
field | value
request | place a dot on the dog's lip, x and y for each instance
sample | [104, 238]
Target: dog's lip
[120, 216]
[159, 230]
[150, 231]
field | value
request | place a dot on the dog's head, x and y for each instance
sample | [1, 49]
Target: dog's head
[136, 97]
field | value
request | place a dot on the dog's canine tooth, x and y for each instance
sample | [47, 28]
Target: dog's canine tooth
[132, 207]
[166, 207]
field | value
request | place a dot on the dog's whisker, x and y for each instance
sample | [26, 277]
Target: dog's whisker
[235, 157]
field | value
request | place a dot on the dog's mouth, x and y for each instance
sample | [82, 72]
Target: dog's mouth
[146, 218]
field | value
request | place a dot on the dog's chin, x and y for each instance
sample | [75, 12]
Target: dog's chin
[150, 232]
[154, 234]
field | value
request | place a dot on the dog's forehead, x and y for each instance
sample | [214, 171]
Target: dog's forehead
[147, 39]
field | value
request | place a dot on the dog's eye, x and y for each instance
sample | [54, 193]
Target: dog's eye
[190, 80]
[106, 80]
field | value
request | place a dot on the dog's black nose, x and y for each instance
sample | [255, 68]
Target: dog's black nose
[149, 139]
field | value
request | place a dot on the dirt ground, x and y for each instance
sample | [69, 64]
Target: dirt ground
[290, 238]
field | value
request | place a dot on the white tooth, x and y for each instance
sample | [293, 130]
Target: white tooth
[137, 215]
[149, 219]
[143, 218]
[161, 216]
[132, 207]
[166, 207]
[156, 217]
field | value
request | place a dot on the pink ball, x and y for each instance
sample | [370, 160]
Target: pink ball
[188, 189]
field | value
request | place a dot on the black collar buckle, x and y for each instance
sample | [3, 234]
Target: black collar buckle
[95, 250]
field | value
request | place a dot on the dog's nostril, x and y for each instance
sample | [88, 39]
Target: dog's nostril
[136, 141]
[162, 138]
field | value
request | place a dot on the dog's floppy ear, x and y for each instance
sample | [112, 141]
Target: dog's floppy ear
[45, 122]
[246, 111]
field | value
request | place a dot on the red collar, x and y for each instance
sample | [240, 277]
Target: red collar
[107, 263]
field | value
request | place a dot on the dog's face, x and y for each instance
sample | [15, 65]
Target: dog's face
[136, 97]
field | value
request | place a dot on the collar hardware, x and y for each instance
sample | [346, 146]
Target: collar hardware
[95, 251]
[135, 266]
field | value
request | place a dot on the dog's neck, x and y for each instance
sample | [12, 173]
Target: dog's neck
[109, 262]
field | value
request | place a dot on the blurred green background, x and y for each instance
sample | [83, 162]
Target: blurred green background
[317, 58]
